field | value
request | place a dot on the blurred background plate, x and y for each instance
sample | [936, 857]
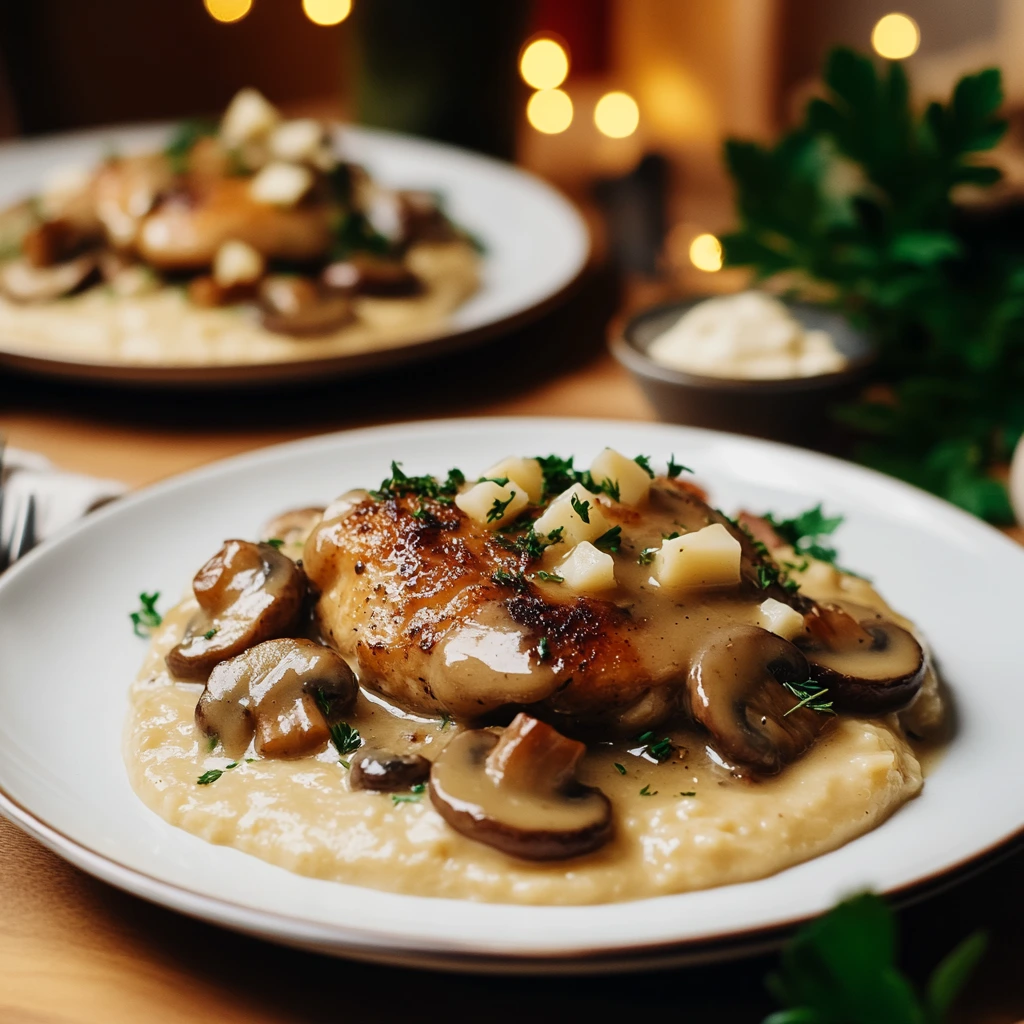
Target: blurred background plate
[536, 246]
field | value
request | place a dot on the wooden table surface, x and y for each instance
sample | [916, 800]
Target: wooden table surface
[76, 951]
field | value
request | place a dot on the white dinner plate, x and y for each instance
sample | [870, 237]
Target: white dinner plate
[536, 246]
[69, 655]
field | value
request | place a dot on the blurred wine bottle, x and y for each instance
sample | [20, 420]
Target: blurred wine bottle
[445, 69]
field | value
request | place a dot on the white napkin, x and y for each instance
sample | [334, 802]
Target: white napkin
[61, 497]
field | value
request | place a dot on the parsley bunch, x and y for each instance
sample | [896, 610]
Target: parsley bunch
[841, 969]
[400, 483]
[857, 207]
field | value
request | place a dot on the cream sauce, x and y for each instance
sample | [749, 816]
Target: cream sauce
[164, 329]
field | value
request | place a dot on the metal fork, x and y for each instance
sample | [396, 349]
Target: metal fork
[22, 537]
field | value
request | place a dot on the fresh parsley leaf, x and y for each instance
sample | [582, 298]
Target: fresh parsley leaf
[610, 540]
[621, 769]
[399, 483]
[412, 797]
[504, 578]
[689, 792]
[611, 488]
[210, 633]
[647, 556]
[446, 720]
[661, 750]
[581, 508]
[807, 532]
[209, 776]
[543, 648]
[809, 694]
[147, 618]
[497, 510]
[499, 480]
[346, 740]
[675, 468]
[324, 701]
[646, 791]
[275, 542]
[212, 745]
[550, 577]
[644, 462]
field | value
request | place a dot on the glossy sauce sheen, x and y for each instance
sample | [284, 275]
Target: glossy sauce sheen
[688, 823]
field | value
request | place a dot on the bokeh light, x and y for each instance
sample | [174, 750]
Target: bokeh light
[549, 111]
[616, 115]
[544, 64]
[896, 36]
[327, 12]
[706, 253]
[228, 10]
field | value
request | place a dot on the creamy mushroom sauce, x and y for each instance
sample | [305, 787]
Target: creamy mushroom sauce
[688, 823]
[163, 328]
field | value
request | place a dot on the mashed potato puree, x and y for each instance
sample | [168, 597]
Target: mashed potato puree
[303, 816]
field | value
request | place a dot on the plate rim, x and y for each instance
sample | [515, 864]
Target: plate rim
[440, 341]
[452, 954]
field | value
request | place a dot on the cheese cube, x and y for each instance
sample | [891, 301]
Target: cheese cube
[779, 618]
[297, 140]
[587, 570]
[280, 184]
[561, 514]
[248, 116]
[237, 263]
[704, 558]
[630, 477]
[525, 472]
[492, 505]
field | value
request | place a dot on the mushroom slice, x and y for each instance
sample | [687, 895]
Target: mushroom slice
[294, 305]
[22, 282]
[870, 667]
[247, 593]
[274, 691]
[384, 772]
[735, 691]
[363, 274]
[518, 792]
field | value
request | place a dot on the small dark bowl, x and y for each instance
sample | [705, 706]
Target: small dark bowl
[794, 409]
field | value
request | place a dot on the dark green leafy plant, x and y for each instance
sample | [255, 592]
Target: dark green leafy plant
[841, 969]
[857, 208]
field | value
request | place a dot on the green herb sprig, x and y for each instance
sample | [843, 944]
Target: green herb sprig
[809, 694]
[147, 618]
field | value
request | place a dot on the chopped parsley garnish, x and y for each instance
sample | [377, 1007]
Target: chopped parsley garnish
[809, 694]
[400, 483]
[543, 648]
[275, 542]
[446, 720]
[766, 576]
[412, 797]
[215, 773]
[581, 508]
[644, 462]
[504, 578]
[689, 792]
[560, 475]
[808, 532]
[610, 540]
[550, 577]
[611, 488]
[646, 791]
[210, 633]
[324, 701]
[621, 769]
[147, 618]
[647, 556]
[671, 536]
[675, 468]
[530, 543]
[212, 745]
[497, 510]
[345, 738]
[499, 480]
[661, 750]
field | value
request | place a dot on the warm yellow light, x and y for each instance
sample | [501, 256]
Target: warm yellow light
[616, 115]
[228, 10]
[544, 64]
[327, 12]
[549, 111]
[896, 36]
[706, 253]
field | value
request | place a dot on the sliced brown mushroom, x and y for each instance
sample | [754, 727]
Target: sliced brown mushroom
[294, 305]
[247, 593]
[273, 691]
[384, 772]
[55, 241]
[735, 691]
[872, 666]
[22, 282]
[363, 274]
[518, 792]
[205, 292]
